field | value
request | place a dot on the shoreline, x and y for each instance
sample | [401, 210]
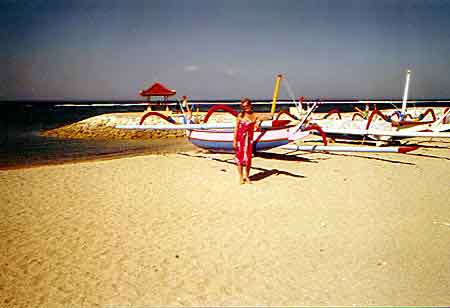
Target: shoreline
[87, 159]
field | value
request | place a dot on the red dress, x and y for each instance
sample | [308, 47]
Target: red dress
[244, 138]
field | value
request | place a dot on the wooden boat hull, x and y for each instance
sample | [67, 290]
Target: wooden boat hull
[222, 140]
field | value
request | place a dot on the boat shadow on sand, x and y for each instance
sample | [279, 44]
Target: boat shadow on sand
[264, 173]
[288, 157]
[427, 146]
[430, 156]
[430, 144]
[374, 158]
[294, 156]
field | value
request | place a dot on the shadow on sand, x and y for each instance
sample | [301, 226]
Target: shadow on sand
[256, 177]
[374, 158]
[266, 173]
[428, 146]
[286, 157]
[430, 156]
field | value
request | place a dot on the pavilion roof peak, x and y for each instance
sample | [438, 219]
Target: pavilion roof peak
[157, 89]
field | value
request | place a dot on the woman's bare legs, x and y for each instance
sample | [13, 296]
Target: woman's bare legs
[241, 178]
[247, 174]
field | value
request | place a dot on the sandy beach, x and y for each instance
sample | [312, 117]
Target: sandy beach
[110, 199]
[178, 230]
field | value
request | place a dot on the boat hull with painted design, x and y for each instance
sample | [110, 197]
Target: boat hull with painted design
[222, 140]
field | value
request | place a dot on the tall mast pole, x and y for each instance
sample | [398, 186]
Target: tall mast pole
[405, 92]
[275, 93]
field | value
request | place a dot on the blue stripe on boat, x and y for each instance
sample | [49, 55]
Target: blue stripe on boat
[227, 146]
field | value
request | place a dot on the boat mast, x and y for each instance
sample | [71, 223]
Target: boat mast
[405, 92]
[275, 94]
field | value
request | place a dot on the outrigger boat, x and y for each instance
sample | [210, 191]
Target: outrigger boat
[218, 137]
[388, 130]
[398, 118]
[383, 131]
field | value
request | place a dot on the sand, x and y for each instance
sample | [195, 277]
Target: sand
[178, 230]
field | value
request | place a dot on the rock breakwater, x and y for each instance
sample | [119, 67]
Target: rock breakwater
[104, 127]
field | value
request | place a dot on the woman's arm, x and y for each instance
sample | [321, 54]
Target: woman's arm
[258, 121]
[238, 119]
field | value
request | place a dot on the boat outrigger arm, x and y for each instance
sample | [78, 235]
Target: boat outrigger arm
[205, 126]
[346, 129]
[358, 149]
[202, 126]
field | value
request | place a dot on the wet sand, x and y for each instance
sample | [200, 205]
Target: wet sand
[178, 230]
[102, 150]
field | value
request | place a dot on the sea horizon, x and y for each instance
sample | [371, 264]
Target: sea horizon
[228, 100]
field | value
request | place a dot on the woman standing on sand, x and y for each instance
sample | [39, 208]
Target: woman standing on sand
[246, 122]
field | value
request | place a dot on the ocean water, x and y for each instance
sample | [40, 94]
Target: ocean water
[22, 145]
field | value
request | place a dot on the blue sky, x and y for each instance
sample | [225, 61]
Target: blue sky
[98, 49]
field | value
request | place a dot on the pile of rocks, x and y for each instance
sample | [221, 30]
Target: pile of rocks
[104, 127]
